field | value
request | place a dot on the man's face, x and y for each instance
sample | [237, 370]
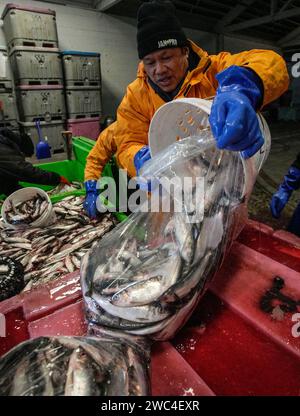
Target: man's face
[167, 67]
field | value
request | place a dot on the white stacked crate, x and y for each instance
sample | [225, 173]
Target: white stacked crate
[36, 66]
[9, 115]
[82, 73]
[32, 43]
[29, 26]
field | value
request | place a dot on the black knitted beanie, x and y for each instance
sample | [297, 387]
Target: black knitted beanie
[158, 28]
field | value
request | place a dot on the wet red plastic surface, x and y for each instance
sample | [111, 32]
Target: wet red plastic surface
[280, 245]
[245, 279]
[173, 375]
[16, 330]
[230, 345]
[232, 357]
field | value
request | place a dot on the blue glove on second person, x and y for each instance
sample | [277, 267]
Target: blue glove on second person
[233, 118]
[91, 198]
[290, 183]
[141, 157]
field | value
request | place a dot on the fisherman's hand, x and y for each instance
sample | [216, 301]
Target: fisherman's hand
[64, 180]
[91, 198]
[278, 202]
[141, 157]
[233, 118]
[291, 182]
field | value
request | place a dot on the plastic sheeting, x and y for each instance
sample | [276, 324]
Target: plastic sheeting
[75, 366]
[148, 274]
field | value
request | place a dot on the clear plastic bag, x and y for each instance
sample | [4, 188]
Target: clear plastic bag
[75, 366]
[148, 274]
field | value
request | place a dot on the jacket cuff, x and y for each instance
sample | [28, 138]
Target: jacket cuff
[126, 159]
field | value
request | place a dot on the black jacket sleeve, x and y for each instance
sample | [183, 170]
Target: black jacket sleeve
[13, 166]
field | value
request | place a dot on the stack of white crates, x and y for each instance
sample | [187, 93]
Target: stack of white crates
[82, 73]
[32, 45]
[8, 116]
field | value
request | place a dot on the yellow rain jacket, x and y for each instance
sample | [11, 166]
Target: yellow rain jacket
[138, 106]
[101, 153]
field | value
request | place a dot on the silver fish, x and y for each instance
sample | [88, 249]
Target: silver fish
[184, 237]
[149, 313]
[155, 282]
[80, 375]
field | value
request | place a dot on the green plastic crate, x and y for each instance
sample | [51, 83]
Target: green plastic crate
[70, 169]
[81, 148]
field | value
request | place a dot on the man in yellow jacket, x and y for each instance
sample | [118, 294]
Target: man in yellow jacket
[174, 67]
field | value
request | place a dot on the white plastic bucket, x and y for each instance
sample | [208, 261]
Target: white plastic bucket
[22, 195]
[187, 117]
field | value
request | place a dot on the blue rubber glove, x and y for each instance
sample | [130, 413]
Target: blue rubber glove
[91, 198]
[290, 183]
[233, 118]
[141, 157]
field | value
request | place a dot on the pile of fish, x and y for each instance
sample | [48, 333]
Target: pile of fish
[75, 366]
[148, 274]
[62, 188]
[48, 253]
[26, 212]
